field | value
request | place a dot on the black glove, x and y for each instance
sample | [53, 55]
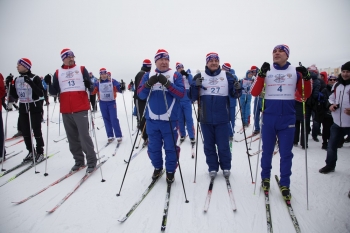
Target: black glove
[28, 80]
[122, 86]
[163, 80]
[183, 72]
[304, 72]
[237, 85]
[264, 68]
[9, 80]
[199, 82]
[151, 81]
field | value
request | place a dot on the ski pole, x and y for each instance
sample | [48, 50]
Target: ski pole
[245, 139]
[261, 130]
[126, 114]
[31, 136]
[256, 112]
[47, 132]
[194, 109]
[141, 134]
[93, 129]
[5, 134]
[305, 145]
[59, 124]
[175, 147]
[132, 118]
[132, 149]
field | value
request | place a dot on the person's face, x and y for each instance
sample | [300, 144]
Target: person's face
[250, 74]
[331, 81]
[253, 72]
[345, 74]
[279, 57]
[90, 74]
[213, 64]
[21, 69]
[162, 64]
[69, 61]
[104, 76]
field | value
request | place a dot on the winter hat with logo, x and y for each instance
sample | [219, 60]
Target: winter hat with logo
[25, 62]
[147, 63]
[161, 53]
[283, 47]
[253, 68]
[226, 66]
[66, 53]
[212, 55]
[346, 66]
[103, 71]
[179, 65]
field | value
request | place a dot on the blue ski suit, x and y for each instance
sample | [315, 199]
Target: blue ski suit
[213, 105]
[185, 110]
[279, 116]
[107, 93]
[159, 129]
[246, 98]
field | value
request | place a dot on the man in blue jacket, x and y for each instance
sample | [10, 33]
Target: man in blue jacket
[160, 128]
[185, 110]
[246, 97]
[212, 88]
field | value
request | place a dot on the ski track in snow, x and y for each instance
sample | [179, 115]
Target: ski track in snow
[94, 207]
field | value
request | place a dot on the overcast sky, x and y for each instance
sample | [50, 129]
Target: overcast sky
[119, 34]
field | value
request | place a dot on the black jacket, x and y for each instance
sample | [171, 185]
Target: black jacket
[138, 79]
[38, 91]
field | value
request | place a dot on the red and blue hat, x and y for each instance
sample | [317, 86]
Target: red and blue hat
[179, 65]
[283, 47]
[103, 71]
[161, 53]
[212, 55]
[226, 66]
[147, 63]
[66, 53]
[25, 62]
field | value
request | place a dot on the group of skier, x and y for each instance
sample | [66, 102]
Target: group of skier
[164, 99]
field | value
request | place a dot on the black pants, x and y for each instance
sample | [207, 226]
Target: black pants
[93, 102]
[36, 128]
[140, 108]
[19, 128]
[327, 122]
[300, 132]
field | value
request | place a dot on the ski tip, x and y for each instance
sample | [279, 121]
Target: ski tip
[118, 194]
[187, 201]
[122, 219]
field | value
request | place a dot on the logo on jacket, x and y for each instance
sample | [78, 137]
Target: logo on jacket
[221, 79]
[167, 76]
[69, 74]
[289, 75]
[279, 78]
[105, 87]
[213, 81]
[270, 76]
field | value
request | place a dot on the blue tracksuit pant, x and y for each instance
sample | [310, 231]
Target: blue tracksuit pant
[257, 110]
[185, 115]
[245, 100]
[159, 133]
[283, 128]
[217, 134]
[109, 115]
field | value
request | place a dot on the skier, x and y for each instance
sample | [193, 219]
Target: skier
[340, 108]
[327, 121]
[159, 129]
[106, 89]
[246, 97]
[140, 104]
[281, 80]
[185, 110]
[211, 88]
[71, 81]
[93, 81]
[257, 104]
[233, 103]
[28, 89]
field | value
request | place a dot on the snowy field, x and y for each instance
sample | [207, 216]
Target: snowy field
[94, 207]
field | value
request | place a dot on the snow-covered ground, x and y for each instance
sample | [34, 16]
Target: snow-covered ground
[94, 207]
